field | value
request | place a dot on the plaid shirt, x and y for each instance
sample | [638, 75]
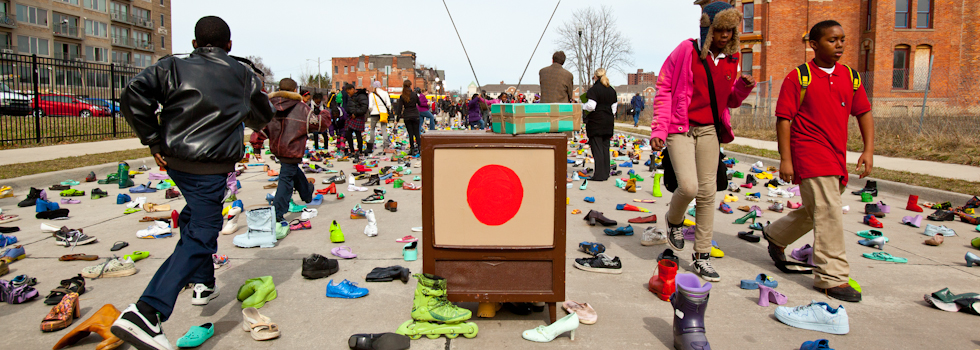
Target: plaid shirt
[556, 84]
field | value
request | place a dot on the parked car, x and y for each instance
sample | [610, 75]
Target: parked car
[12, 103]
[67, 105]
[109, 104]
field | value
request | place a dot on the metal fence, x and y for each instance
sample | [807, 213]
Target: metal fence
[50, 100]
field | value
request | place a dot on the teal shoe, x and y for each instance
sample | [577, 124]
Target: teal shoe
[163, 185]
[417, 178]
[196, 336]
[620, 183]
[691, 212]
[410, 251]
[295, 208]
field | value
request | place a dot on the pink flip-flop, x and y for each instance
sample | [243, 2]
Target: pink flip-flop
[343, 252]
[407, 239]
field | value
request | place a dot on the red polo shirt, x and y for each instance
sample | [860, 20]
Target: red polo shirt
[724, 74]
[818, 135]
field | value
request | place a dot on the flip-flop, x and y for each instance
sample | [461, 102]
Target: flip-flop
[130, 211]
[871, 234]
[72, 257]
[882, 256]
[407, 239]
[5, 218]
[119, 246]
[343, 252]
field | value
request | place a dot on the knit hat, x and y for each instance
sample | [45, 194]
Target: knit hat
[723, 16]
[376, 84]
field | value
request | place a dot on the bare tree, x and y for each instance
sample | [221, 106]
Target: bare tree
[602, 45]
[257, 61]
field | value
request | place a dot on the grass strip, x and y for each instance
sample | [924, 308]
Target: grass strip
[928, 181]
[23, 169]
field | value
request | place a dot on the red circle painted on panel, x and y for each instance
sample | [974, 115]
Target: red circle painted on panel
[495, 194]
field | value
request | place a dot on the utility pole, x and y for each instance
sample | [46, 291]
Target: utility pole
[578, 55]
[319, 76]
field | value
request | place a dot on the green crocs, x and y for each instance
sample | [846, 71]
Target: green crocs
[882, 256]
[196, 336]
[256, 292]
[137, 255]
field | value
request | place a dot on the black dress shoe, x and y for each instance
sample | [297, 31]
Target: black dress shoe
[379, 341]
[869, 187]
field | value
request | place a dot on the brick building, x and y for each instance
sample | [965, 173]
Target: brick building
[641, 78]
[391, 70]
[889, 41]
[124, 32]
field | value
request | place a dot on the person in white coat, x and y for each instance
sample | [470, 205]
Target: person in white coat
[379, 105]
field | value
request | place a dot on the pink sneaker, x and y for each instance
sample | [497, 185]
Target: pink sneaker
[70, 201]
[300, 225]
[792, 205]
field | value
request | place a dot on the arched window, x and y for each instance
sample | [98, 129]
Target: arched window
[900, 68]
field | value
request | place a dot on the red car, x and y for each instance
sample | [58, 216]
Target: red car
[67, 105]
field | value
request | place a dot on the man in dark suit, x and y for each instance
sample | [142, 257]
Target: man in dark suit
[556, 82]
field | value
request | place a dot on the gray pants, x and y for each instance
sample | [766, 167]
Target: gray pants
[372, 122]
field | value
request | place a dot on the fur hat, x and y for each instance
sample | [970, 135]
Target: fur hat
[719, 15]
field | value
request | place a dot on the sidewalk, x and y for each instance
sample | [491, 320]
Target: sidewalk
[37, 154]
[949, 171]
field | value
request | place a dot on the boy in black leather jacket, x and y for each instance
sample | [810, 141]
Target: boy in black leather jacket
[198, 137]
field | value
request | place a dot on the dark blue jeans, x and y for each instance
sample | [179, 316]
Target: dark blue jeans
[199, 223]
[290, 176]
[427, 115]
[636, 118]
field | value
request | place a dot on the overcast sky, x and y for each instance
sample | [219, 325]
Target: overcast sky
[499, 35]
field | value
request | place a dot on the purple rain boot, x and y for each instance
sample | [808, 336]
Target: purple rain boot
[690, 302]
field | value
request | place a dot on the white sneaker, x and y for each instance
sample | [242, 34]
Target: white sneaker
[203, 294]
[354, 188]
[135, 328]
[759, 165]
[157, 228]
[308, 214]
[653, 236]
[846, 209]
[137, 203]
[231, 226]
[371, 229]
[234, 211]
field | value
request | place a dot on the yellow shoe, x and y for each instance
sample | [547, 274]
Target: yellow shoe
[6, 191]
[487, 310]
[717, 253]
[688, 222]
[729, 198]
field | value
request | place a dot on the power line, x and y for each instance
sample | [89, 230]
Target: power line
[461, 44]
[536, 46]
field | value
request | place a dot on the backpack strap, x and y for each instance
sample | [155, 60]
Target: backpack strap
[803, 73]
[855, 77]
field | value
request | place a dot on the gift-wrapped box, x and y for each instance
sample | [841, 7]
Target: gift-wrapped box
[535, 118]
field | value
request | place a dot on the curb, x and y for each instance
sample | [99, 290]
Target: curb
[22, 184]
[895, 188]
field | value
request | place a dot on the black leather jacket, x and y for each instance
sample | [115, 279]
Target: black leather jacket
[205, 98]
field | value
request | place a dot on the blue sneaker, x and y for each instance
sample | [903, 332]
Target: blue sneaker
[626, 164]
[620, 231]
[570, 161]
[238, 184]
[817, 316]
[274, 178]
[756, 170]
[590, 199]
[269, 198]
[819, 344]
[123, 198]
[6, 240]
[592, 248]
[345, 289]
[238, 203]
[41, 206]
[15, 253]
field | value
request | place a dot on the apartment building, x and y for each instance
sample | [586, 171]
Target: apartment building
[891, 42]
[390, 70]
[129, 33]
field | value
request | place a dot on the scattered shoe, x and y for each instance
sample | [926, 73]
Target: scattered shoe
[817, 316]
[601, 263]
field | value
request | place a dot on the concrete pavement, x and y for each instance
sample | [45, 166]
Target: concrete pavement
[892, 314]
[944, 170]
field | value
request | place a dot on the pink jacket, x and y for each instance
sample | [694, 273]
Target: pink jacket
[675, 85]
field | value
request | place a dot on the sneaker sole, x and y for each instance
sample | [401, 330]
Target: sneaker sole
[710, 279]
[107, 274]
[599, 270]
[373, 202]
[674, 247]
[650, 243]
[134, 336]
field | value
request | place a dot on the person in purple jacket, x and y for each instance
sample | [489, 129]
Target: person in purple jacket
[475, 116]
[424, 111]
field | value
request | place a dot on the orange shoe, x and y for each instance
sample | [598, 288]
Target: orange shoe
[100, 323]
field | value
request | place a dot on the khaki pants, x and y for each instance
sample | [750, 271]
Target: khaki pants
[694, 156]
[821, 212]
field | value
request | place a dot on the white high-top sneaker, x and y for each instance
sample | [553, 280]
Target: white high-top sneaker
[49, 228]
[371, 229]
[308, 214]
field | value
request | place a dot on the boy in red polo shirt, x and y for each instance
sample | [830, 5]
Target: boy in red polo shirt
[812, 132]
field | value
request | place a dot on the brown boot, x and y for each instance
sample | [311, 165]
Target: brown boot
[99, 323]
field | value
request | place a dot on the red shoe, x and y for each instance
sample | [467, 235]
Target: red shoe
[652, 219]
[389, 181]
[332, 189]
[323, 191]
[662, 283]
[361, 169]
[173, 219]
[872, 221]
[749, 186]
[913, 204]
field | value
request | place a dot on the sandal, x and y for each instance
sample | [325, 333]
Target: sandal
[118, 246]
[882, 256]
[72, 285]
[260, 326]
[62, 315]
[155, 218]
[73, 257]
[343, 252]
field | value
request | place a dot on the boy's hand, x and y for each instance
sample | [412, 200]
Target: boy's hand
[656, 144]
[866, 159]
[748, 80]
[786, 170]
[160, 162]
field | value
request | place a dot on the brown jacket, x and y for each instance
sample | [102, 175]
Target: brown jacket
[287, 130]
[556, 84]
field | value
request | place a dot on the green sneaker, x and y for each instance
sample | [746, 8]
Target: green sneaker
[738, 175]
[398, 183]
[282, 230]
[336, 235]
[295, 208]
[866, 198]
[256, 292]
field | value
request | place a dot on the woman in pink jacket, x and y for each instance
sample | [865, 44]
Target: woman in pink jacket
[686, 122]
